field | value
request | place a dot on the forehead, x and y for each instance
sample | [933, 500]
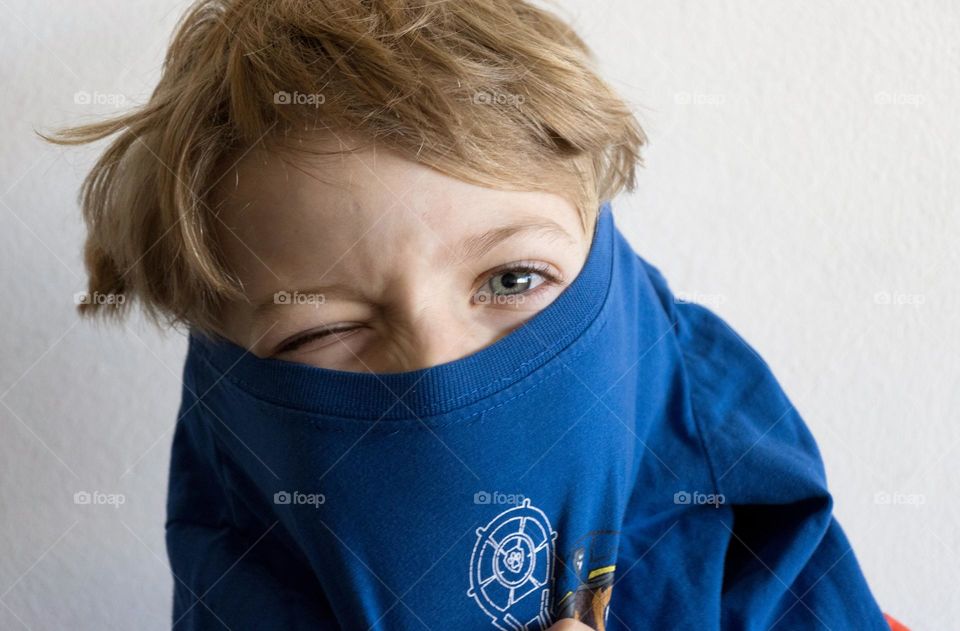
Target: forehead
[334, 216]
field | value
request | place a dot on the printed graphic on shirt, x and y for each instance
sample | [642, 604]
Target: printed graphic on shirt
[585, 581]
[510, 569]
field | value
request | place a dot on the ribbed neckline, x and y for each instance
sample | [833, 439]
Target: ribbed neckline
[428, 391]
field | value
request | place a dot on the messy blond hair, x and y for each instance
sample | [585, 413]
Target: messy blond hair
[498, 93]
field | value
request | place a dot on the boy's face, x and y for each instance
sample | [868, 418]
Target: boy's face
[370, 262]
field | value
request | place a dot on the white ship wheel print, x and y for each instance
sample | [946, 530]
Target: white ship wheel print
[510, 568]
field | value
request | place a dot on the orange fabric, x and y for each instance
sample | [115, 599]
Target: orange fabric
[894, 625]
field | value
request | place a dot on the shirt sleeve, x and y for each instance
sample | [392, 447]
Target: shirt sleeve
[226, 577]
[788, 564]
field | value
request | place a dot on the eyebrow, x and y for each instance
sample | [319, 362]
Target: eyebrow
[478, 245]
[471, 247]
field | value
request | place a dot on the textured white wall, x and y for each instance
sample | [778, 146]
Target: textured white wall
[801, 172]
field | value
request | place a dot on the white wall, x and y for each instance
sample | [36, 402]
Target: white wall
[802, 168]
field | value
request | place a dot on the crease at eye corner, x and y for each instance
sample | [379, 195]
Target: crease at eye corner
[301, 339]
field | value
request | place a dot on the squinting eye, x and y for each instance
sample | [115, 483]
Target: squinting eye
[298, 341]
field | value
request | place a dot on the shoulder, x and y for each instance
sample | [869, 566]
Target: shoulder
[753, 434]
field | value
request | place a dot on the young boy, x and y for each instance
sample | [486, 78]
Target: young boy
[429, 384]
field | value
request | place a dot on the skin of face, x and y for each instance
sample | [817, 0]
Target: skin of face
[368, 262]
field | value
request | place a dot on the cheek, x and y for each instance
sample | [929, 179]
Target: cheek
[237, 326]
[507, 313]
[506, 307]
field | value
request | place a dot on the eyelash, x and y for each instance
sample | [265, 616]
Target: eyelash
[527, 268]
[521, 268]
[297, 342]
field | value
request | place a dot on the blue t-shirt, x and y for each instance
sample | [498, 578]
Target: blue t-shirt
[623, 458]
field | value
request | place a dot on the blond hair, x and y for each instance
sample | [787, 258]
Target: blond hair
[498, 93]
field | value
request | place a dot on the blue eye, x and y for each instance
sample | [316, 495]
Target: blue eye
[510, 285]
[514, 282]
